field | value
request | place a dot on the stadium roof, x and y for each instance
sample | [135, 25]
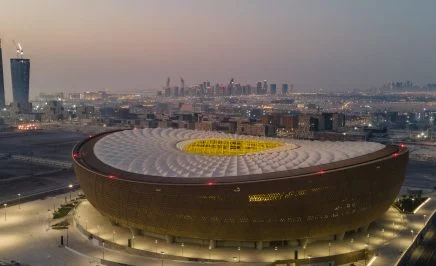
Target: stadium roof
[188, 153]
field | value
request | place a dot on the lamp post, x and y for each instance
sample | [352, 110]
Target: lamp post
[330, 246]
[411, 231]
[367, 239]
[210, 253]
[19, 200]
[155, 243]
[275, 253]
[113, 236]
[239, 254]
[182, 245]
[366, 252]
[102, 249]
[383, 233]
[70, 186]
[352, 244]
[162, 254]
[5, 205]
[309, 259]
[425, 216]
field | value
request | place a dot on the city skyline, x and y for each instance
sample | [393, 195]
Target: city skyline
[134, 46]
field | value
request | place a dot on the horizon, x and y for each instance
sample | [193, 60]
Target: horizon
[133, 46]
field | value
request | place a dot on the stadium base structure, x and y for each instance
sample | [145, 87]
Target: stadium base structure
[320, 201]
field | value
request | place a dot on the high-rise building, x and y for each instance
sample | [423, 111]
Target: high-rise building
[265, 87]
[259, 87]
[273, 89]
[20, 72]
[285, 89]
[2, 84]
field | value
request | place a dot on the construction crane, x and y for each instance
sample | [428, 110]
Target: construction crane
[182, 81]
[19, 49]
[230, 87]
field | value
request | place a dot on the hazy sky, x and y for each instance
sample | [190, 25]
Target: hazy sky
[128, 45]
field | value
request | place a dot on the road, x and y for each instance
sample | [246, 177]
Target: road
[425, 254]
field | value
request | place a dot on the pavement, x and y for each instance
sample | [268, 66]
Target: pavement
[425, 253]
[25, 237]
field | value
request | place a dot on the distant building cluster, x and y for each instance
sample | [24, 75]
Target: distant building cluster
[206, 89]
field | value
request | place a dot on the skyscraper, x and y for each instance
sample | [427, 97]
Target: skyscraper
[265, 87]
[285, 89]
[2, 84]
[273, 88]
[259, 87]
[20, 72]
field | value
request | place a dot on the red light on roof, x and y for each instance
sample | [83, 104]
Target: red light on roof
[210, 183]
[76, 155]
[112, 177]
[395, 154]
[321, 172]
[402, 146]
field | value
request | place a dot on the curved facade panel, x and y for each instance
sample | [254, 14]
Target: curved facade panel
[302, 203]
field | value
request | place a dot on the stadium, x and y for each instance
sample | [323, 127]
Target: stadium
[186, 185]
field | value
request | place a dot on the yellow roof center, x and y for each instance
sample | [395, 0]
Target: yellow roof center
[230, 147]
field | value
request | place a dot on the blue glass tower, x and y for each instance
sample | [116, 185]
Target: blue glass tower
[2, 84]
[20, 71]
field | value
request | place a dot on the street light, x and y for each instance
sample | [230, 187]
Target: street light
[239, 254]
[425, 216]
[275, 253]
[330, 246]
[366, 252]
[162, 253]
[102, 249]
[352, 244]
[309, 258]
[19, 200]
[383, 232]
[367, 239]
[5, 205]
[210, 252]
[113, 236]
[70, 186]
[182, 245]
[411, 231]
[155, 242]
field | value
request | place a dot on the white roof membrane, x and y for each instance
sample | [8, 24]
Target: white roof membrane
[158, 152]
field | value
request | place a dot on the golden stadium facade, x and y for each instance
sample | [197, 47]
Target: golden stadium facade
[213, 186]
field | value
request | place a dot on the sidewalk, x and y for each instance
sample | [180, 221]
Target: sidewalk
[24, 237]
